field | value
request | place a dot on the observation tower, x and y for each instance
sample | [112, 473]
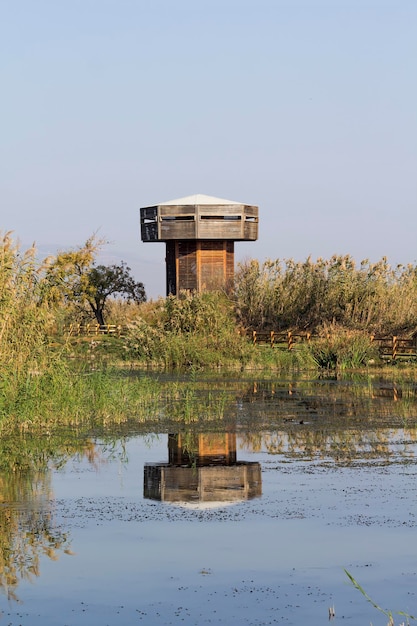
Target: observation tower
[199, 233]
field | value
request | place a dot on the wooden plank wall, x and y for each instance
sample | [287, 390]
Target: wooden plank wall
[186, 265]
[199, 265]
[235, 222]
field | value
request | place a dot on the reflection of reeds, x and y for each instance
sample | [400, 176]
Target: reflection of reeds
[340, 445]
[101, 399]
[185, 403]
[65, 397]
[26, 532]
[27, 526]
[335, 420]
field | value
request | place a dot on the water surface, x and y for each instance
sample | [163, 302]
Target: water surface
[250, 518]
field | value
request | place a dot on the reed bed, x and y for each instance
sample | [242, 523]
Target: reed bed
[45, 380]
[371, 297]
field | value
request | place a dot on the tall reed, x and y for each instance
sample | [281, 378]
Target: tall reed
[24, 321]
[282, 294]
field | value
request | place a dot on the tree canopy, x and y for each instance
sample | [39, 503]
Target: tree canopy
[105, 281]
[74, 278]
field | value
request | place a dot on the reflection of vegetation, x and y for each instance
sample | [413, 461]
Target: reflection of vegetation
[37, 452]
[341, 445]
[97, 401]
[315, 419]
[75, 399]
[361, 401]
[27, 526]
[338, 412]
[188, 403]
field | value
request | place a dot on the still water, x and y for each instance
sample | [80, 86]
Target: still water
[248, 519]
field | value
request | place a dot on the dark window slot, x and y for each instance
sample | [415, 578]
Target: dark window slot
[227, 218]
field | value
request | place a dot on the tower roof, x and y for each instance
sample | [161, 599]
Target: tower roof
[199, 199]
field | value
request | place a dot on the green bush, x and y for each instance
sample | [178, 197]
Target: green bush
[338, 348]
[190, 331]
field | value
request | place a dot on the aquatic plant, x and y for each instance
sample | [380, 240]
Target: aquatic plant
[69, 397]
[389, 614]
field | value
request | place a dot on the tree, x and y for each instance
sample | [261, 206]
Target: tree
[66, 278]
[105, 281]
[73, 278]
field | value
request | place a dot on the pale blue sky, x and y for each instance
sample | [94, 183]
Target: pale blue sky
[306, 108]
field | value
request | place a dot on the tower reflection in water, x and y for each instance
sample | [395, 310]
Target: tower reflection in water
[202, 470]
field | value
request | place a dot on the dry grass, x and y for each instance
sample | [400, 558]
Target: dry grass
[372, 297]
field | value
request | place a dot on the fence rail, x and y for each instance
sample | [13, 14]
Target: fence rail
[396, 347]
[285, 340]
[77, 330]
[389, 347]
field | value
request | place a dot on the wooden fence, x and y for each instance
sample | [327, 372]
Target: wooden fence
[389, 347]
[395, 348]
[285, 340]
[78, 330]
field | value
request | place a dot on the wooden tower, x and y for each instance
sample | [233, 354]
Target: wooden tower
[199, 232]
[202, 469]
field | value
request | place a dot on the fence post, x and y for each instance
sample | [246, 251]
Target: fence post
[290, 340]
[394, 347]
[272, 338]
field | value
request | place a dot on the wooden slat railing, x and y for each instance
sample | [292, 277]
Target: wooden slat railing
[286, 340]
[395, 347]
[389, 347]
[77, 330]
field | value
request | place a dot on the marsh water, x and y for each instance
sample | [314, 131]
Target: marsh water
[243, 504]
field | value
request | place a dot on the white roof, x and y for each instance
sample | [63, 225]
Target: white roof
[198, 198]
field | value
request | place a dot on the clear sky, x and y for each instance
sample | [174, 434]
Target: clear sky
[306, 108]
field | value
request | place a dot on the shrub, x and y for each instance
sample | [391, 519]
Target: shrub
[338, 348]
[192, 330]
